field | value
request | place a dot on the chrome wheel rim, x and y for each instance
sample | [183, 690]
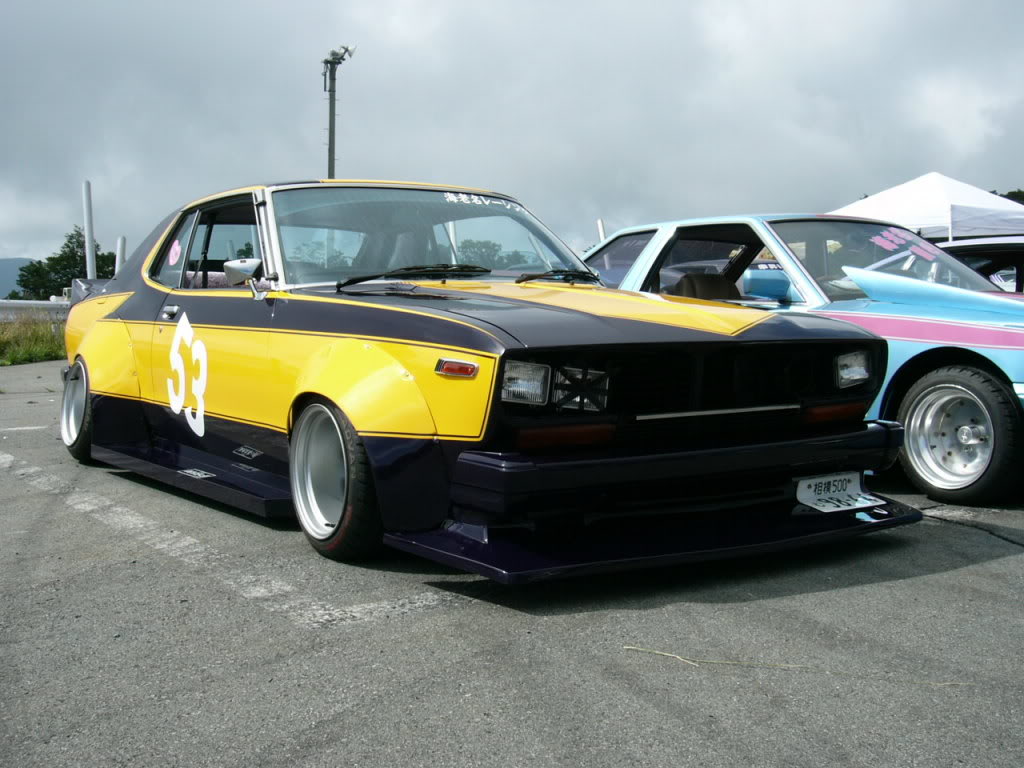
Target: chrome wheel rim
[72, 404]
[319, 472]
[949, 438]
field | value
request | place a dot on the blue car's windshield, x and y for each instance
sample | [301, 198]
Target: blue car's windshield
[334, 233]
[825, 246]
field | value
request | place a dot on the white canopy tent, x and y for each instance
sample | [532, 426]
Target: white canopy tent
[940, 207]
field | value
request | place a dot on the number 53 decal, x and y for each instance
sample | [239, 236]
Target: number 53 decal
[183, 334]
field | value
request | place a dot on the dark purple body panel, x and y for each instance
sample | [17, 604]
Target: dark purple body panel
[518, 556]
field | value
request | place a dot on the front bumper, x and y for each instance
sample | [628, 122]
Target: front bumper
[519, 519]
[518, 556]
[502, 487]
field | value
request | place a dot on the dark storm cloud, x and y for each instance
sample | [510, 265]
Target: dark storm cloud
[630, 111]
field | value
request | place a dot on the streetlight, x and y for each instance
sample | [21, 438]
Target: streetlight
[331, 63]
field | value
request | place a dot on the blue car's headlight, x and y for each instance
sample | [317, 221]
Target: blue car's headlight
[852, 368]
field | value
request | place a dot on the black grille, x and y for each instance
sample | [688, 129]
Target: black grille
[707, 395]
[750, 376]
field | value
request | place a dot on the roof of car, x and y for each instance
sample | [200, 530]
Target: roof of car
[979, 241]
[346, 182]
[747, 218]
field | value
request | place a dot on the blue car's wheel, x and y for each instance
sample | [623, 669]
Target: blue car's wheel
[963, 434]
[332, 488]
[76, 413]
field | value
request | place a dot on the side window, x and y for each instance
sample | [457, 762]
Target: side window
[614, 260]
[223, 233]
[167, 270]
[694, 257]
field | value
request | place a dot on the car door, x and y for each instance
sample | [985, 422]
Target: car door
[209, 341]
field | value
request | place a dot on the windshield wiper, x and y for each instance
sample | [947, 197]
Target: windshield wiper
[568, 274]
[419, 270]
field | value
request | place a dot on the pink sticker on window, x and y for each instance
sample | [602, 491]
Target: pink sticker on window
[922, 253]
[889, 245]
[175, 254]
[931, 248]
[895, 236]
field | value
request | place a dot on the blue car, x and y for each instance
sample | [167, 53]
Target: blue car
[955, 374]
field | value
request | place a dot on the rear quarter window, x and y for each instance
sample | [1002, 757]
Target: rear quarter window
[614, 260]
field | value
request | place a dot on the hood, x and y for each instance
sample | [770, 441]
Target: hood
[547, 314]
[941, 300]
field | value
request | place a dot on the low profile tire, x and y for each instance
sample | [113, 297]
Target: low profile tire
[963, 435]
[76, 413]
[332, 487]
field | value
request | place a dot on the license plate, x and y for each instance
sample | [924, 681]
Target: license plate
[834, 493]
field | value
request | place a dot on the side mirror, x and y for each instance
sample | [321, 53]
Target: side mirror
[239, 271]
[771, 284]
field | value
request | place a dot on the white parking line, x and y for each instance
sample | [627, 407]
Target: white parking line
[274, 595]
[23, 429]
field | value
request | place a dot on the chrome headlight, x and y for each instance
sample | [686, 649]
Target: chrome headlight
[852, 369]
[525, 383]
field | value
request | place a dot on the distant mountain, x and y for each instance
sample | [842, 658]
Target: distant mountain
[9, 275]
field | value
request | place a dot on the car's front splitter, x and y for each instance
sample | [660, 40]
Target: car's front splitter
[520, 555]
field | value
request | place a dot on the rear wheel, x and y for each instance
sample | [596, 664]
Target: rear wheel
[332, 487]
[76, 413]
[963, 434]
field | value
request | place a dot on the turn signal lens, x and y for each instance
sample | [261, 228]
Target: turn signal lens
[540, 438]
[458, 368]
[821, 414]
[525, 383]
[852, 369]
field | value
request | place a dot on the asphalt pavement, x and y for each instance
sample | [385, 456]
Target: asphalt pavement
[140, 626]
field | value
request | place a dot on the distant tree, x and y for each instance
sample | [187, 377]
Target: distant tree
[1017, 195]
[482, 252]
[46, 278]
[314, 252]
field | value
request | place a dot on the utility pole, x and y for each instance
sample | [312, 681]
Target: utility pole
[90, 246]
[331, 64]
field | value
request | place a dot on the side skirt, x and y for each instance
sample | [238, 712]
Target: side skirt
[253, 490]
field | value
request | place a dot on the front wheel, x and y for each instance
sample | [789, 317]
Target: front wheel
[963, 435]
[76, 413]
[332, 487]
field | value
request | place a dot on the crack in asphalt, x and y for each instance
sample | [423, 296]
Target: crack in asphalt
[975, 526]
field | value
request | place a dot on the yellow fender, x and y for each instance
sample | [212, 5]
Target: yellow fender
[110, 359]
[375, 390]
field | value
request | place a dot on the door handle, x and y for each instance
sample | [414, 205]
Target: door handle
[169, 311]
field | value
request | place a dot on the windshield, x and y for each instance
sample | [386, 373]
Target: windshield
[825, 246]
[330, 234]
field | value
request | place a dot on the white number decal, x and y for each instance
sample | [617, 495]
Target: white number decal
[183, 334]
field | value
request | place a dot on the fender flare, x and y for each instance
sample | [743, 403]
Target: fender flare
[108, 354]
[373, 389]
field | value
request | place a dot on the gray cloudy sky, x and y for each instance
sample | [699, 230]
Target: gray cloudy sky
[633, 111]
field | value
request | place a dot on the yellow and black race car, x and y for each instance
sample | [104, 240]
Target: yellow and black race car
[430, 368]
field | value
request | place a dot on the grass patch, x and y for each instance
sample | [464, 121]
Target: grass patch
[31, 340]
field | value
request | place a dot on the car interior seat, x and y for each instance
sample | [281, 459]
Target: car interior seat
[707, 286]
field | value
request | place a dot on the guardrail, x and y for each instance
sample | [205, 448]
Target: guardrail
[12, 309]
